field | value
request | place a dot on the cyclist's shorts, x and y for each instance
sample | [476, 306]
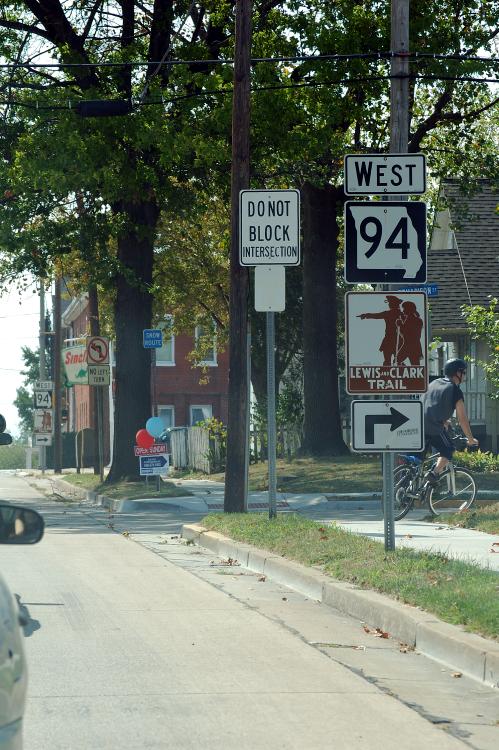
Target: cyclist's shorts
[442, 443]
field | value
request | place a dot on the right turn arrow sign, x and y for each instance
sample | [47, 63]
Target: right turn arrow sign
[379, 426]
[395, 420]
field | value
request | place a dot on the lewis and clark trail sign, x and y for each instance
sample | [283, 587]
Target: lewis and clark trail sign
[269, 227]
[386, 343]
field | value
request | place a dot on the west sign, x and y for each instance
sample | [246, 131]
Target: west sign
[385, 174]
[386, 342]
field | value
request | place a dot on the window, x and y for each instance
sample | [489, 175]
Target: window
[167, 416]
[200, 413]
[165, 356]
[208, 344]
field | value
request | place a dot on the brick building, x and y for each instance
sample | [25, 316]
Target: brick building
[177, 394]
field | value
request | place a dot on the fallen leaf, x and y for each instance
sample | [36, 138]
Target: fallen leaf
[376, 632]
[262, 579]
[322, 538]
[404, 648]
[457, 674]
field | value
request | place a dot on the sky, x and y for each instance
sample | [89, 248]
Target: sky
[19, 313]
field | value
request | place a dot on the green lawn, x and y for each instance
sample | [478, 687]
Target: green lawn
[130, 490]
[482, 518]
[335, 474]
[338, 474]
[455, 591]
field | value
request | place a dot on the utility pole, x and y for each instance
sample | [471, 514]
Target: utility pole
[41, 355]
[57, 377]
[93, 317]
[399, 88]
[234, 499]
[399, 136]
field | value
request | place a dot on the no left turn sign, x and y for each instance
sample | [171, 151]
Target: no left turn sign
[98, 350]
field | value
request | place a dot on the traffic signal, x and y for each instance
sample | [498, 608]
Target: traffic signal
[5, 438]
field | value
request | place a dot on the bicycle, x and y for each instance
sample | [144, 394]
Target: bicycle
[454, 492]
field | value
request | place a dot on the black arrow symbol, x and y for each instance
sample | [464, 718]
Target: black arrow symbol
[395, 419]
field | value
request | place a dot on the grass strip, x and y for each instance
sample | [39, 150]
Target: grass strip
[335, 474]
[459, 593]
[129, 490]
[482, 518]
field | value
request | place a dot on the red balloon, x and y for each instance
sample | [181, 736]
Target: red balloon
[144, 440]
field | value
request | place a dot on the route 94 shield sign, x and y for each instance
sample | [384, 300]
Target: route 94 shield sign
[386, 342]
[385, 242]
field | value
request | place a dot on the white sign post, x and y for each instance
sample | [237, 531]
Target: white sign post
[269, 239]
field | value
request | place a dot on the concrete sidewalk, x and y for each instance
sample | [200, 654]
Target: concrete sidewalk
[358, 512]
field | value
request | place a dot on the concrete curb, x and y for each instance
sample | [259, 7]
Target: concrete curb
[468, 653]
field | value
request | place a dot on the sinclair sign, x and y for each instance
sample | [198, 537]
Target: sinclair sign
[386, 342]
[74, 359]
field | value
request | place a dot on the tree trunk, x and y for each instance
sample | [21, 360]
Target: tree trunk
[322, 423]
[133, 313]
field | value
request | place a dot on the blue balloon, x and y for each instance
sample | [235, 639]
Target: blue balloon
[155, 426]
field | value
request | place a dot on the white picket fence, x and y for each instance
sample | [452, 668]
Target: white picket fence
[192, 448]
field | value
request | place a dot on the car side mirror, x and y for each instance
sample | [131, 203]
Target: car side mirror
[5, 438]
[20, 525]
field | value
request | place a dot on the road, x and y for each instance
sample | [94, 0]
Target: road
[137, 641]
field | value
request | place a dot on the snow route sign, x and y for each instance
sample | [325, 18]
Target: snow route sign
[269, 227]
[386, 343]
[385, 242]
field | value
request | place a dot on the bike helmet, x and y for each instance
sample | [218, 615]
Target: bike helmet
[453, 366]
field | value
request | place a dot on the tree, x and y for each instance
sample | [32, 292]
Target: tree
[125, 167]
[483, 323]
[341, 107]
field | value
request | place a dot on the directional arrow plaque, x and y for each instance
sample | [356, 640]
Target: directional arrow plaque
[387, 426]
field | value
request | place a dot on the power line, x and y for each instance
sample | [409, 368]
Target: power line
[412, 56]
[73, 105]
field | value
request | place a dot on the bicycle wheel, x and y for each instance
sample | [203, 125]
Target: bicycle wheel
[401, 482]
[444, 500]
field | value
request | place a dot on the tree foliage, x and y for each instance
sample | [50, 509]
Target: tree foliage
[483, 323]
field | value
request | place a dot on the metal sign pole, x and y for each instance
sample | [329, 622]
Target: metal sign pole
[100, 432]
[388, 500]
[271, 413]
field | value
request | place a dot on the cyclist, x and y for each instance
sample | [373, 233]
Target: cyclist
[443, 397]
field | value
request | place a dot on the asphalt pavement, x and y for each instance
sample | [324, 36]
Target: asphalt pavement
[139, 640]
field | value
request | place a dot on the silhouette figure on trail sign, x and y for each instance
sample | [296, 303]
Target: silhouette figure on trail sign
[409, 326]
[390, 343]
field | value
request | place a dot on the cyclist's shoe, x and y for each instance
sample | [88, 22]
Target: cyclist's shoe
[431, 478]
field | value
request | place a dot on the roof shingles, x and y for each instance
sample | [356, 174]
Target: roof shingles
[469, 273]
